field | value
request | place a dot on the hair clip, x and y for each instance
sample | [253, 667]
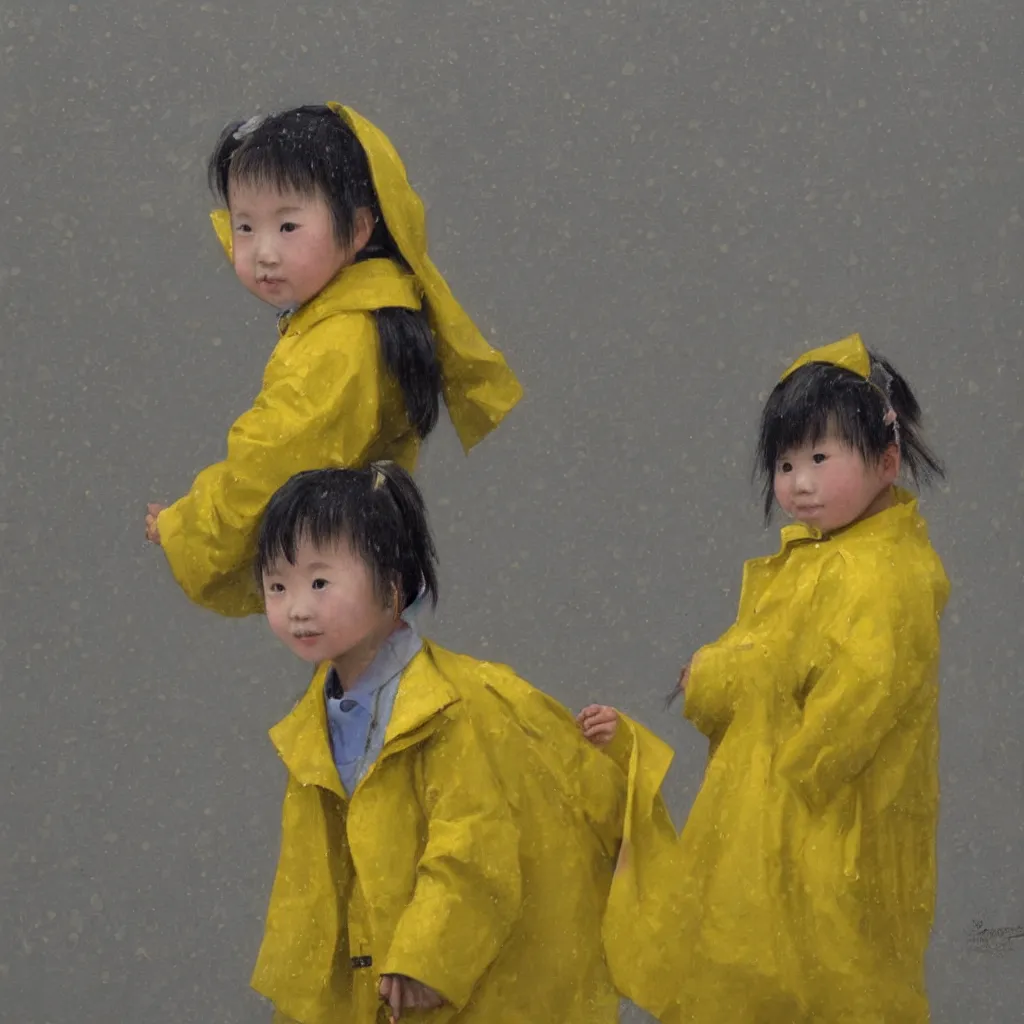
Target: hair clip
[248, 127]
[892, 420]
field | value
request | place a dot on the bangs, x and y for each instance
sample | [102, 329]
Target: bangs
[270, 165]
[804, 416]
[305, 515]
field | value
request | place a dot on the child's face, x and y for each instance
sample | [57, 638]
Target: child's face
[828, 485]
[285, 248]
[325, 607]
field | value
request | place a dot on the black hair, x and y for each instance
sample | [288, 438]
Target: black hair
[312, 151]
[821, 397]
[379, 511]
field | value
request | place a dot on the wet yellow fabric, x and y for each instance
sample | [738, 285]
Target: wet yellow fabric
[849, 353]
[476, 855]
[327, 400]
[809, 855]
[649, 890]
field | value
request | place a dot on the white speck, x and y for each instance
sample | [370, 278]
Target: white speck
[972, 387]
[628, 69]
[863, 16]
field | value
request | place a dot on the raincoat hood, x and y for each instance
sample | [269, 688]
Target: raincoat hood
[479, 387]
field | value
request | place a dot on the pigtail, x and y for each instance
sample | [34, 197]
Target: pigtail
[915, 454]
[419, 554]
[407, 343]
[410, 355]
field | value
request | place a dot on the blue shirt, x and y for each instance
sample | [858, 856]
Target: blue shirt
[357, 719]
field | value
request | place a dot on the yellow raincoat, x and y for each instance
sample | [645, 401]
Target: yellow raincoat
[327, 398]
[810, 850]
[475, 856]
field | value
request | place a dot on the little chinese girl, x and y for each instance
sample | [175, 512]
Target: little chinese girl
[809, 856]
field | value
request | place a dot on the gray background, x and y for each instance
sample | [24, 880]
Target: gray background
[652, 207]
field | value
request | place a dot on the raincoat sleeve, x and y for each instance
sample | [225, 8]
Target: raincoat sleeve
[468, 884]
[877, 639]
[716, 672]
[324, 411]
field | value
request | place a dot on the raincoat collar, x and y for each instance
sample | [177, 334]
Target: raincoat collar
[302, 740]
[889, 521]
[478, 385]
[358, 288]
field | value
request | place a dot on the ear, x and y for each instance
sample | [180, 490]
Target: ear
[891, 463]
[363, 226]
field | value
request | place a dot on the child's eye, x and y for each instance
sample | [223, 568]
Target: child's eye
[319, 584]
[819, 457]
[785, 467]
[275, 588]
[289, 226]
[243, 229]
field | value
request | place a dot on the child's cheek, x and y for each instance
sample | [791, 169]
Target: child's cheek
[782, 495]
[276, 618]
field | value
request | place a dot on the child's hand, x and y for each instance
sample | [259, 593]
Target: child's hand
[152, 533]
[598, 723]
[402, 993]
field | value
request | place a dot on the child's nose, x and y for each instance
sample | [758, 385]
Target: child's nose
[803, 481]
[266, 251]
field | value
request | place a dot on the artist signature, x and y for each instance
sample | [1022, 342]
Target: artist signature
[992, 940]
